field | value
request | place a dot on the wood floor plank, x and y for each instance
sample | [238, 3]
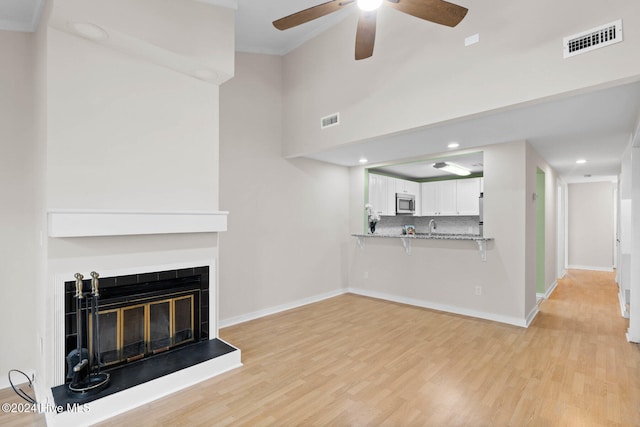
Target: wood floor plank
[19, 413]
[353, 360]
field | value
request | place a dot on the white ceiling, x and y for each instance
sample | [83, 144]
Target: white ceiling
[423, 169]
[256, 34]
[596, 126]
[20, 15]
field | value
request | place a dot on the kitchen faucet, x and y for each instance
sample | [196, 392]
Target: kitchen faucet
[432, 223]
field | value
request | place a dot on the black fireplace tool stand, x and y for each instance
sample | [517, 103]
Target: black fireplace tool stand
[83, 368]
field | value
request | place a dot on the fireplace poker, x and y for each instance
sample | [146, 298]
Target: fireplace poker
[96, 381]
[96, 319]
[79, 298]
[87, 311]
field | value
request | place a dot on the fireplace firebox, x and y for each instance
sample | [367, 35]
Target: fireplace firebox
[141, 315]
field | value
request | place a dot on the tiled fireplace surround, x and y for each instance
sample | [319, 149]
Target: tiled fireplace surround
[149, 242]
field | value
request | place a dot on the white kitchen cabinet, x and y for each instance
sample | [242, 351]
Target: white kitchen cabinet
[382, 194]
[429, 198]
[467, 194]
[447, 198]
[450, 197]
[407, 187]
[438, 198]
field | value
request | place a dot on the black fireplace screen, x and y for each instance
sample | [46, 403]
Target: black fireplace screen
[129, 333]
[142, 315]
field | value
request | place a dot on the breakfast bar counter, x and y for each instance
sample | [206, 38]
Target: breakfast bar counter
[408, 238]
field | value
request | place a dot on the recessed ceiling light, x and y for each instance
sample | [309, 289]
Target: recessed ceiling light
[581, 161]
[89, 31]
[368, 5]
[363, 160]
[453, 145]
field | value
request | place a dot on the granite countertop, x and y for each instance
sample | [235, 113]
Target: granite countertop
[437, 236]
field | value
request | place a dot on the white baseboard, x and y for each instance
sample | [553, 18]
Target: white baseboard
[632, 337]
[279, 308]
[548, 292]
[379, 295]
[590, 267]
[532, 315]
[623, 305]
[448, 308]
[16, 377]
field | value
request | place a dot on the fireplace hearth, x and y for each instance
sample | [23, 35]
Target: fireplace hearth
[130, 375]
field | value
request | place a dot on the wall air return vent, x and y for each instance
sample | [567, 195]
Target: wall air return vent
[330, 120]
[594, 38]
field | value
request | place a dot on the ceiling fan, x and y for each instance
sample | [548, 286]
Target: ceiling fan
[438, 11]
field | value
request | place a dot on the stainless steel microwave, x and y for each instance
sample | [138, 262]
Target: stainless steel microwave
[405, 204]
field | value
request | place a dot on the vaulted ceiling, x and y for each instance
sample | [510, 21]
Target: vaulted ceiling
[595, 126]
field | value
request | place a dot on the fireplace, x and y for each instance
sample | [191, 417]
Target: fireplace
[158, 318]
[141, 315]
[150, 325]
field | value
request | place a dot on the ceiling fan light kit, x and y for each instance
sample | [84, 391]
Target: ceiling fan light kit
[437, 11]
[369, 5]
[452, 168]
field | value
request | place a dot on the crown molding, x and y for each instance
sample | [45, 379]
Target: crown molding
[230, 4]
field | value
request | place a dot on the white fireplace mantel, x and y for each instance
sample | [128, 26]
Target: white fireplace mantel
[88, 223]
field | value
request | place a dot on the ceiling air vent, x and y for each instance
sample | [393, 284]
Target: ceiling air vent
[594, 38]
[330, 120]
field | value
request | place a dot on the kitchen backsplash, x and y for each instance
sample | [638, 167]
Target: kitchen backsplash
[444, 224]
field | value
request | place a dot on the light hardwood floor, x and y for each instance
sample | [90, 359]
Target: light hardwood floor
[19, 413]
[353, 360]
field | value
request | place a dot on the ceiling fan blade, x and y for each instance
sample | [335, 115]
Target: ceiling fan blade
[438, 11]
[366, 34]
[310, 14]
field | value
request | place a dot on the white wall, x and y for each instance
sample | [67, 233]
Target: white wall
[534, 162]
[561, 226]
[127, 134]
[40, 157]
[18, 193]
[624, 231]
[551, 227]
[633, 333]
[421, 73]
[288, 229]
[590, 230]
